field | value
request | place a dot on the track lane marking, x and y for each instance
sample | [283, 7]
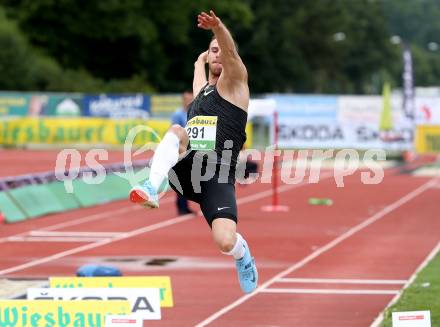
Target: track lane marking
[430, 256]
[343, 281]
[327, 291]
[146, 229]
[86, 219]
[391, 207]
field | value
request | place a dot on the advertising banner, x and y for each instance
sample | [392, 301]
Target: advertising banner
[368, 109]
[144, 302]
[64, 105]
[85, 131]
[427, 111]
[294, 133]
[14, 104]
[369, 136]
[306, 106]
[75, 131]
[165, 104]
[408, 83]
[27, 104]
[412, 319]
[428, 139]
[163, 283]
[117, 106]
[123, 321]
[44, 313]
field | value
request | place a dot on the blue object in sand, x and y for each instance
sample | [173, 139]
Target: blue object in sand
[97, 271]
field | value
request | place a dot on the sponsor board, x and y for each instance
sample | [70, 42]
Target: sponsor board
[64, 106]
[411, 319]
[427, 111]
[123, 321]
[321, 134]
[163, 283]
[144, 302]
[28, 104]
[84, 131]
[367, 109]
[428, 139]
[92, 131]
[117, 106]
[261, 108]
[14, 104]
[44, 313]
[306, 106]
[165, 104]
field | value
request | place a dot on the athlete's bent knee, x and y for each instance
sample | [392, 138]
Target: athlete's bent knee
[181, 134]
[179, 131]
[225, 242]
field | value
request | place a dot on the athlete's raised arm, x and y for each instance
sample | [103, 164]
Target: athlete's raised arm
[226, 69]
[233, 67]
[200, 73]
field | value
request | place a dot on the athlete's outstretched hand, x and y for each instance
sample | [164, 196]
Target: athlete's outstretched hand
[206, 21]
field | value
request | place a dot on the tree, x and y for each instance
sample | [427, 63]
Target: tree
[325, 46]
[417, 24]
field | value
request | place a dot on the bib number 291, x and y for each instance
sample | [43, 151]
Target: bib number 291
[196, 132]
[202, 131]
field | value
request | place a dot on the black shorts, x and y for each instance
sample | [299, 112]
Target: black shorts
[216, 196]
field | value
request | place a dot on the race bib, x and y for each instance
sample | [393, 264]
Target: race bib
[202, 131]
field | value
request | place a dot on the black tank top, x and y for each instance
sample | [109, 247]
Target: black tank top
[231, 121]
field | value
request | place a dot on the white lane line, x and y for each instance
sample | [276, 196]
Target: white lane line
[102, 215]
[89, 218]
[378, 321]
[320, 251]
[86, 247]
[327, 291]
[54, 239]
[92, 217]
[60, 236]
[44, 233]
[343, 281]
[139, 231]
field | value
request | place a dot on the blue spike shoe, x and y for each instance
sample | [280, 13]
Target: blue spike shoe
[247, 271]
[145, 195]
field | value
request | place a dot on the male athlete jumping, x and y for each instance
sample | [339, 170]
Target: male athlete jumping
[208, 147]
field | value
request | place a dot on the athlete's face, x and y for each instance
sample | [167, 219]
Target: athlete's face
[215, 65]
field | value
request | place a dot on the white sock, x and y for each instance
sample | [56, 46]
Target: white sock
[238, 250]
[165, 157]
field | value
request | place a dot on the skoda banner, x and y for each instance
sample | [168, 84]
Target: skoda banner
[294, 134]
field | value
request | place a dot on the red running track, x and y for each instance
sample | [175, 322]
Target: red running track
[14, 162]
[319, 265]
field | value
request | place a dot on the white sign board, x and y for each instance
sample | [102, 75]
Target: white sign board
[367, 109]
[295, 133]
[123, 321]
[412, 319]
[261, 107]
[428, 111]
[322, 107]
[144, 302]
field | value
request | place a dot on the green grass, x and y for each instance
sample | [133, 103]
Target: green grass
[422, 294]
[435, 164]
